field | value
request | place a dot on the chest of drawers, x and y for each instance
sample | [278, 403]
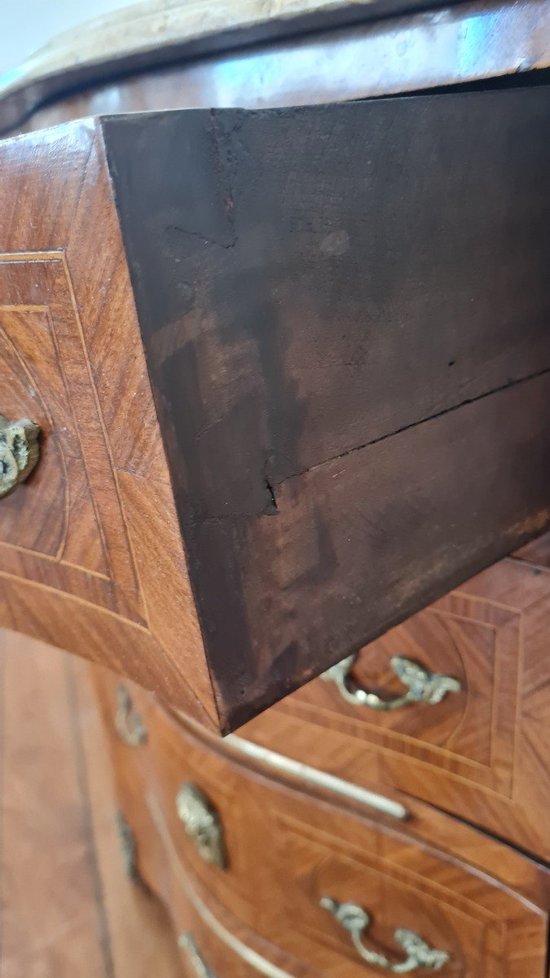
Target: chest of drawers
[274, 450]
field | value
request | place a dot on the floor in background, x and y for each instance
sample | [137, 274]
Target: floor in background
[66, 907]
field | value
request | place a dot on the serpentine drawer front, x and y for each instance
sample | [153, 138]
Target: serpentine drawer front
[339, 894]
[260, 347]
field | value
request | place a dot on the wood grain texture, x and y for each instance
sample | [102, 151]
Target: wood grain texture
[485, 903]
[480, 754]
[67, 907]
[475, 41]
[331, 340]
[280, 312]
[166, 31]
[90, 553]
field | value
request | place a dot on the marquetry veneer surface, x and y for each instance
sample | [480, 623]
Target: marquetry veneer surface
[484, 904]
[480, 753]
[90, 557]
[308, 499]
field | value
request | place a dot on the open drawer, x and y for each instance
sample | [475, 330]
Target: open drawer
[290, 369]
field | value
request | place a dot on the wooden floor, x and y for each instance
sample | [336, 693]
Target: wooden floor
[66, 907]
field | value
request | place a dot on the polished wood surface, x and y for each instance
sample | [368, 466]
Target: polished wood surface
[462, 43]
[485, 904]
[157, 32]
[480, 753]
[291, 423]
[90, 555]
[67, 907]
[262, 266]
[327, 352]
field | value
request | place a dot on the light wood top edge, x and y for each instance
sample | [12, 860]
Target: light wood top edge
[159, 31]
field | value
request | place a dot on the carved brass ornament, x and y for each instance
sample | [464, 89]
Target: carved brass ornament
[196, 960]
[202, 824]
[128, 723]
[423, 686]
[128, 848]
[356, 920]
[19, 452]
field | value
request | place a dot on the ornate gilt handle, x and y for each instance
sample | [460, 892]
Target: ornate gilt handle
[128, 723]
[196, 960]
[423, 686]
[202, 824]
[19, 452]
[356, 920]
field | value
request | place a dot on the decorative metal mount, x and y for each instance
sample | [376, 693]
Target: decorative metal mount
[128, 723]
[19, 452]
[423, 686]
[356, 920]
[196, 960]
[202, 824]
[128, 848]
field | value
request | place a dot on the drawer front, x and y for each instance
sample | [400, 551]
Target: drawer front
[64, 526]
[214, 941]
[91, 557]
[473, 905]
[204, 956]
[464, 651]
[475, 745]
[229, 415]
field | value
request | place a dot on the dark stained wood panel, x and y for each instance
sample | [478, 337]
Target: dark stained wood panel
[481, 753]
[345, 314]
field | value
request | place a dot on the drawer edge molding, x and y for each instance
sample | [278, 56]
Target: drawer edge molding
[187, 942]
[310, 775]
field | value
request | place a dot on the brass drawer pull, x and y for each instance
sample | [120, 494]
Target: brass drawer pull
[355, 920]
[19, 452]
[424, 686]
[196, 960]
[128, 723]
[202, 824]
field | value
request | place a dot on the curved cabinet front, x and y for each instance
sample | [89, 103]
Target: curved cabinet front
[431, 892]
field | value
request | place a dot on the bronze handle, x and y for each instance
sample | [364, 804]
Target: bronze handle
[202, 824]
[128, 723]
[423, 686]
[19, 452]
[356, 920]
[196, 960]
